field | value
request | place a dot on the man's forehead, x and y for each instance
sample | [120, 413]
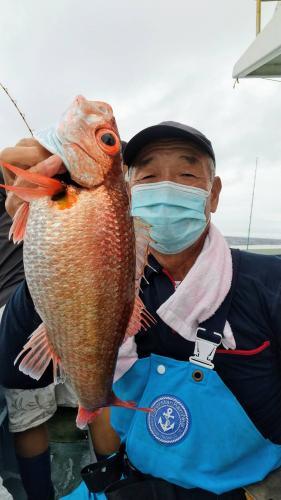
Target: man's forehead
[169, 145]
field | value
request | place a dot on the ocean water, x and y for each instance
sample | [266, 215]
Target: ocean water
[240, 240]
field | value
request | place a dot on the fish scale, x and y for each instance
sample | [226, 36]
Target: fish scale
[83, 264]
[93, 293]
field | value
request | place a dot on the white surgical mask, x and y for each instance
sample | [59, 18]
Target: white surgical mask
[175, 212]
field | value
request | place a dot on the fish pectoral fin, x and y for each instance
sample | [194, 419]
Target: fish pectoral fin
[85, 417]
[141, 318]
[17, 229]
[38, 354]
[47, 185]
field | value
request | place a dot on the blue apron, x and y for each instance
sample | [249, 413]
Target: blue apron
[198, 435]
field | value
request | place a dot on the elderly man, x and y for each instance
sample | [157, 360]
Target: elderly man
[209, 369]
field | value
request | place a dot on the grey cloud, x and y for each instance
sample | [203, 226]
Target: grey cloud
[152, 61]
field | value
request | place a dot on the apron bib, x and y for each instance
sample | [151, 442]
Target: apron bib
[198, 435]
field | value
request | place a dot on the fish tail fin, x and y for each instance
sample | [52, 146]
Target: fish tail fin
[131, 405]
[17, 229]
[37, 355]
[47, 185]
[85, 417]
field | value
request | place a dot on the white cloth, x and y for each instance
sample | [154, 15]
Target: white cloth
[195, 299]
[202, 291]
[1, 312]
[29, 408]
[4, 494]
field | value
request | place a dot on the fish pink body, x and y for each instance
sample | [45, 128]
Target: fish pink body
[79, 258]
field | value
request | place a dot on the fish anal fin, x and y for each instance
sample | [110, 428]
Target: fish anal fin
[18, 227]
[140, 318]
[37, 354]
[85, 417]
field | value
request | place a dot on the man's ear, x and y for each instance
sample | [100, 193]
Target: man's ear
[215, 194]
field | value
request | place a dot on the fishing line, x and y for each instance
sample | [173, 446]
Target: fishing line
[16, 106]
[258, 77]
[270, 79]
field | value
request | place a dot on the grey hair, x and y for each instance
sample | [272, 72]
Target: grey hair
[212, 167]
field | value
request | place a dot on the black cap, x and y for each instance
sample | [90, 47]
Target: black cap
[123, 146]
[166, 130]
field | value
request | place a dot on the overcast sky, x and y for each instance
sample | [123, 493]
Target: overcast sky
[152, 60]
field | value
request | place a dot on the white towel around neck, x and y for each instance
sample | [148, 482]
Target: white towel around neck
[202, 291]
[196, 299]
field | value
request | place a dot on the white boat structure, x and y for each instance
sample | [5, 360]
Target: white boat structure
[263, 57]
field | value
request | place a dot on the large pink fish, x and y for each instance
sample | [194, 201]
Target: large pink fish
[79, 258]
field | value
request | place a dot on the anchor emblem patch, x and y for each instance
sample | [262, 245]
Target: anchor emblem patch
[169, 421]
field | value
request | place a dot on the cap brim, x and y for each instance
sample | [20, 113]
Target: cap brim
[155, 132]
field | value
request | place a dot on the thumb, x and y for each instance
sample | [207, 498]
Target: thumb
[49, 167]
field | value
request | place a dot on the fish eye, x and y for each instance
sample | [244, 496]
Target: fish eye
[108, 141]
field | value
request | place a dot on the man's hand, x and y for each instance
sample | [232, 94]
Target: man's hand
[27, 154]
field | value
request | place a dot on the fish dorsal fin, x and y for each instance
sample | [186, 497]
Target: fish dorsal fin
[140, 318]
[142, 238]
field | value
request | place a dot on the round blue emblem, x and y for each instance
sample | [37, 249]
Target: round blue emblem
[169, 421]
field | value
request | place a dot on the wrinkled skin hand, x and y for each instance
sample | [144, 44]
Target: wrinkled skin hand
[27, 154]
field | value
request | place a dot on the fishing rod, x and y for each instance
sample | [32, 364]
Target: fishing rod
[252, 203]
[16, 106]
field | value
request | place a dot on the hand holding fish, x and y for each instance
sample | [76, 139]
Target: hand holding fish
[28, 154]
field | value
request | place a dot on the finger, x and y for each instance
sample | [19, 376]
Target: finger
[9, 177]
[49, 167]
[12, 203]
[30, 141]
[41, 174]
[22, 155]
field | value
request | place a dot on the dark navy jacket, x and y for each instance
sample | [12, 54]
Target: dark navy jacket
[252, 371]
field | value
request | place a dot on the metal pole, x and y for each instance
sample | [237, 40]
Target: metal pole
[258, 17]
[252, 203]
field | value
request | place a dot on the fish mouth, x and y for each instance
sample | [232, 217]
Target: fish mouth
[66, 177]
